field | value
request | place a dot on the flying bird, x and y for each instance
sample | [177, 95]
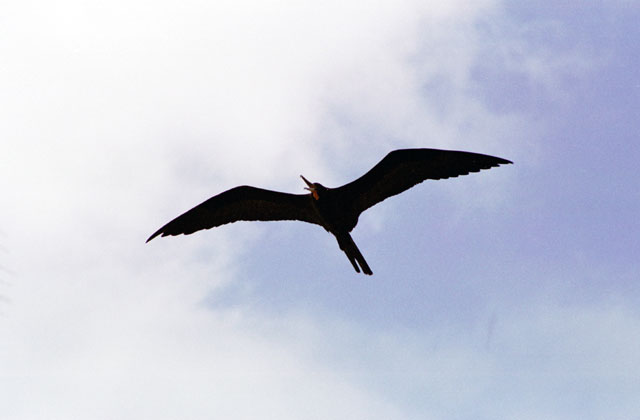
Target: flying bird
[335, 209]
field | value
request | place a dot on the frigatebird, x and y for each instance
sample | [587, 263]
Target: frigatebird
[335, 209]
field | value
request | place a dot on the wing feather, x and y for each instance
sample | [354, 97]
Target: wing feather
[404, 168]
[241, 203]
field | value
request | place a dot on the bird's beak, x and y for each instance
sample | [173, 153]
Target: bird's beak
[310, 187]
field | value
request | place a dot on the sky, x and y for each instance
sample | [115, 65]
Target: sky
[509, 294]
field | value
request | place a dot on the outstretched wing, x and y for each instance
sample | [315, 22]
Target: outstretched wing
[402, 169]
[241, 203]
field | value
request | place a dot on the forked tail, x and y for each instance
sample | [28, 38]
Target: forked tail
[353, 253]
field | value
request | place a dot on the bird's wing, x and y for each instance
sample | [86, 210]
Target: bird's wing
[402, 169]
[241, 203]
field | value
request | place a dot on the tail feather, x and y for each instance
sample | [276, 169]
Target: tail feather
[353, 253]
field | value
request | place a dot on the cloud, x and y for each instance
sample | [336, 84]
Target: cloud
[119, 117]
[163, 356]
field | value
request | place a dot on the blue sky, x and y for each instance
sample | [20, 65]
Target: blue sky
[512, 293]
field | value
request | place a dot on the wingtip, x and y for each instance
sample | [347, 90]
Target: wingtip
[502, 161]
[153, 236]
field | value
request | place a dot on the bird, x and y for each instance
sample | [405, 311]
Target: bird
[335, 209]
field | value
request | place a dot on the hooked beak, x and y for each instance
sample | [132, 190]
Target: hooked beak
[310, 187]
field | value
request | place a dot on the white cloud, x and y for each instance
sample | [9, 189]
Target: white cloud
[115, 118]
[161, 355]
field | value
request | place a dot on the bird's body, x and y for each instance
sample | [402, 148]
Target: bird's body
[335, 209]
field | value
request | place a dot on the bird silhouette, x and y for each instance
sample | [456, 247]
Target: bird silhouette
[335, 209]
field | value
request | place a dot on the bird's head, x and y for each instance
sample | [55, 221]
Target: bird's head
[315, 188]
